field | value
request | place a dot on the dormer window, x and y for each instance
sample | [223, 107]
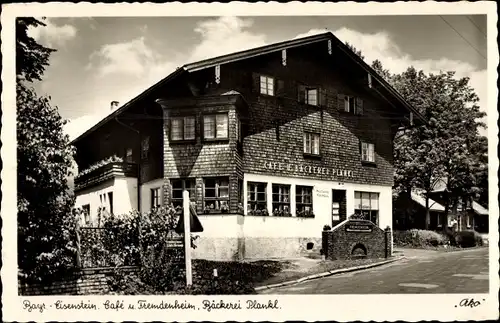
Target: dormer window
[266, 85]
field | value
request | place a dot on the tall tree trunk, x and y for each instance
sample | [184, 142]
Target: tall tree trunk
[427, 212]
[407, 203]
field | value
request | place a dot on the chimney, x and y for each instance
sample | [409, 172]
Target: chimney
[114, 105]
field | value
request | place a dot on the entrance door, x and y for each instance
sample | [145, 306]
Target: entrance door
[339, 206]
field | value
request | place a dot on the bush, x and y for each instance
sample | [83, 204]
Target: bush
[468, 239]
[418, 238]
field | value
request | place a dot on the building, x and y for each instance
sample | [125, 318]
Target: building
[467, 214]
[411, 214]
[272, 143]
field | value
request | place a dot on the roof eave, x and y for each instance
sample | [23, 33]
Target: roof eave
[380, 80]
[120, 110]
[229, 58]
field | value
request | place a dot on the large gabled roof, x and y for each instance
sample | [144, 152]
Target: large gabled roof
[263, 50]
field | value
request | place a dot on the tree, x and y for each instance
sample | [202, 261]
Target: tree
[355, 51]
[449, 147]
[44, 158]
[31, 57]
[377, 66]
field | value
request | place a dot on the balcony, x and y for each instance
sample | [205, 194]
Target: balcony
[103, 173]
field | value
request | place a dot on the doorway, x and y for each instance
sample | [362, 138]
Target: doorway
[339, 206]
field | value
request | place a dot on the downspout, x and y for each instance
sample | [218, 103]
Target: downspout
[138, 163]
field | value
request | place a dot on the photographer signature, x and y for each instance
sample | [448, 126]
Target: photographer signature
[469, 302]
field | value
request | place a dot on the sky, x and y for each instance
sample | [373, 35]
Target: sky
[104, 59]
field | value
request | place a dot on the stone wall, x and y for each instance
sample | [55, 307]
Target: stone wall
[357, 239]
[84, 282]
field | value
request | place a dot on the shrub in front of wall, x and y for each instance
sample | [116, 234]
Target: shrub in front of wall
[468, 239]
[418, 238]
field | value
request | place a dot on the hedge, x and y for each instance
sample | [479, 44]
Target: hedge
[416, 238]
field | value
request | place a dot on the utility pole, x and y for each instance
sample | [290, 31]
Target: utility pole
[187, 237]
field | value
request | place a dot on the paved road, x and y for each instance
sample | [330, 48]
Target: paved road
[434, 272]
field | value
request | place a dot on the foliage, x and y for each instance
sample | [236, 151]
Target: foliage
[449, 146]
[326, 227]
[232, 278]
[278, 212]
[44, 158]
[115, 243]
[99, 164]
[355, 51]
[418, 238]
[31, 57]
[468, 239]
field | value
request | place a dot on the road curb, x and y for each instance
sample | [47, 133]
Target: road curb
[329, 273]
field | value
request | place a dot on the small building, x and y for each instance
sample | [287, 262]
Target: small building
[272, 144]
[411, 214]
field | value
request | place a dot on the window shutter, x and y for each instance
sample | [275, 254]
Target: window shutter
[256, 82]
[322, 99]
[280, 88]
[359, 106]
[301, 93]
[341, 102]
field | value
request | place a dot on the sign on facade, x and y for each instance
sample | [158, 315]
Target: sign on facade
[308, 169]
[358, 227]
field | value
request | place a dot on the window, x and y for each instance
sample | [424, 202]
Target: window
[215, 126]
[311, 143]
[178, 186]
[469, 221]
[349, 104]
[303, 203]
[238, 130]
[439, 220]
[103, 201]
[216, 198]
[182, 128]
[241, 202]
[367, 152]
[353, 105]
[110, 201]
[257, 199]
[366, 204]
[311, 96]
[128, 155]
[281, 200]
[155, 198]
[86, 213]
[266, 85]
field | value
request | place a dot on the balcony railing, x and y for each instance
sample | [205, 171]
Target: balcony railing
[105, 172]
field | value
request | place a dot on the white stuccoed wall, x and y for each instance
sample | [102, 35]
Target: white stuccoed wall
[124, 196]
[146, 193]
